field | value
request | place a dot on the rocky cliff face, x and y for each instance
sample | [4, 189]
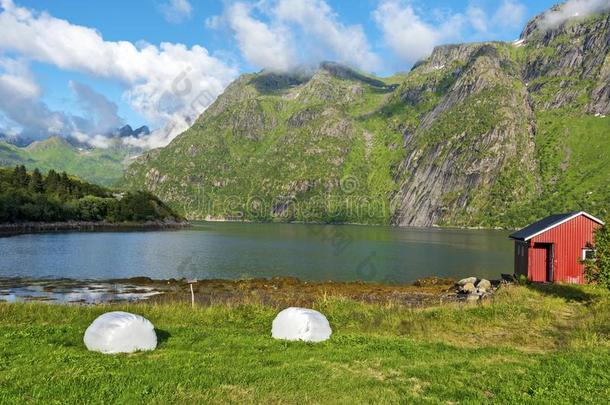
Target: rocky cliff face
[571, 61]
[488, 134]
[479, 134]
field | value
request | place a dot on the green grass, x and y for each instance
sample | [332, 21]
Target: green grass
[547, 344]
[570, 150]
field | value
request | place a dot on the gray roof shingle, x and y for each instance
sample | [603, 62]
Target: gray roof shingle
[547, 223]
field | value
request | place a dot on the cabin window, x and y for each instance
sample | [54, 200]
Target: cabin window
[588, 254]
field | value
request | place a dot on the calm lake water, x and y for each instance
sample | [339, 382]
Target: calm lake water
[243, 250]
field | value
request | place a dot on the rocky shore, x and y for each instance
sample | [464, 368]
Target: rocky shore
[277, 291]
[473, 289]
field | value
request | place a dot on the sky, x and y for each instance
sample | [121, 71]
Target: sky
[84, 68]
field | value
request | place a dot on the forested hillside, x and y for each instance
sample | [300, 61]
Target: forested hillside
[55, 197]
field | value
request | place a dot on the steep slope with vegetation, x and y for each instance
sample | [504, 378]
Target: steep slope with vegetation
[486, 134]
[98, 165]
[291, 147]
[57, 197]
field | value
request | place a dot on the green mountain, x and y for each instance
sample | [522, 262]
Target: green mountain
[482, 134]
[100, 166]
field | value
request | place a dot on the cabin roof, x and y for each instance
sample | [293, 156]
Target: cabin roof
[549, 222]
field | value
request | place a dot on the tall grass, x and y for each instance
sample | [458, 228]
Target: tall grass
[526, 345]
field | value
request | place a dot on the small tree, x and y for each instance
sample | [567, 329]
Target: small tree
[64, 187]
[52, 181]
[36, 182]
[597, 268]
[20, 176]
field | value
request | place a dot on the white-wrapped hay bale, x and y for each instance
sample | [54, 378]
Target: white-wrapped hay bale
[120, 332]
[301, 324]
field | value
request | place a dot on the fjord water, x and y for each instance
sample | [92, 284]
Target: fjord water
[247, 250]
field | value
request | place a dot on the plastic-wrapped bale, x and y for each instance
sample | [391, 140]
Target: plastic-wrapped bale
[120, 332]
[301, 324]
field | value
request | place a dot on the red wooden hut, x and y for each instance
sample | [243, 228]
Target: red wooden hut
[550, 250]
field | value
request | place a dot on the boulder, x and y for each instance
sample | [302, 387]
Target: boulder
[300, 324]
[473, 297]
[468, 288]
[484, 285]
[464, 281]
[120, 332]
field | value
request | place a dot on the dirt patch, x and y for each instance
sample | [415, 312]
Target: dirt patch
[276, 292]
[294, 292]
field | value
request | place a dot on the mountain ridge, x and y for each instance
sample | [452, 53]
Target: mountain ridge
[483, 134]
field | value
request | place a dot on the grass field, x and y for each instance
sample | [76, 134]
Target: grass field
[546, 344]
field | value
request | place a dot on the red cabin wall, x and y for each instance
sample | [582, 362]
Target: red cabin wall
[569, 239]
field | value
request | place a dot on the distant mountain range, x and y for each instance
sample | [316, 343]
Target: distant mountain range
[127, 131]
[104, 166]
[15, 140]
[481, 134]
[123, 132]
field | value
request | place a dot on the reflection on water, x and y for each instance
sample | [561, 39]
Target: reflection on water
[65, 291]
[242, 250]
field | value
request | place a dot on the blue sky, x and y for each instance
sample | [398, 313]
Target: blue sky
[79, 66]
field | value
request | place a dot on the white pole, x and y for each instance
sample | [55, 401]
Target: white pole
[192, 296]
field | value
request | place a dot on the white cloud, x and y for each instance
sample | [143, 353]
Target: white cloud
[103, 113]
[510, 14]
[166, 83]
[282, 34]
[261, 44]
[19, 101]
[20, 104]
[95, 140]
[477, 17]
[412, 37]
[176, 11]
[213, 22]
[347, 44]
[573, 9]
[16, 76]
[408, 35]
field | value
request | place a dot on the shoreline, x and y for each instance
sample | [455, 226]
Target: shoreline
[463, 228]
[276, 291]
[24, 228]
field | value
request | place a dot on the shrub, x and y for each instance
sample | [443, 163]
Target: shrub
[597, 269]
[92, 208]
[522, 279]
